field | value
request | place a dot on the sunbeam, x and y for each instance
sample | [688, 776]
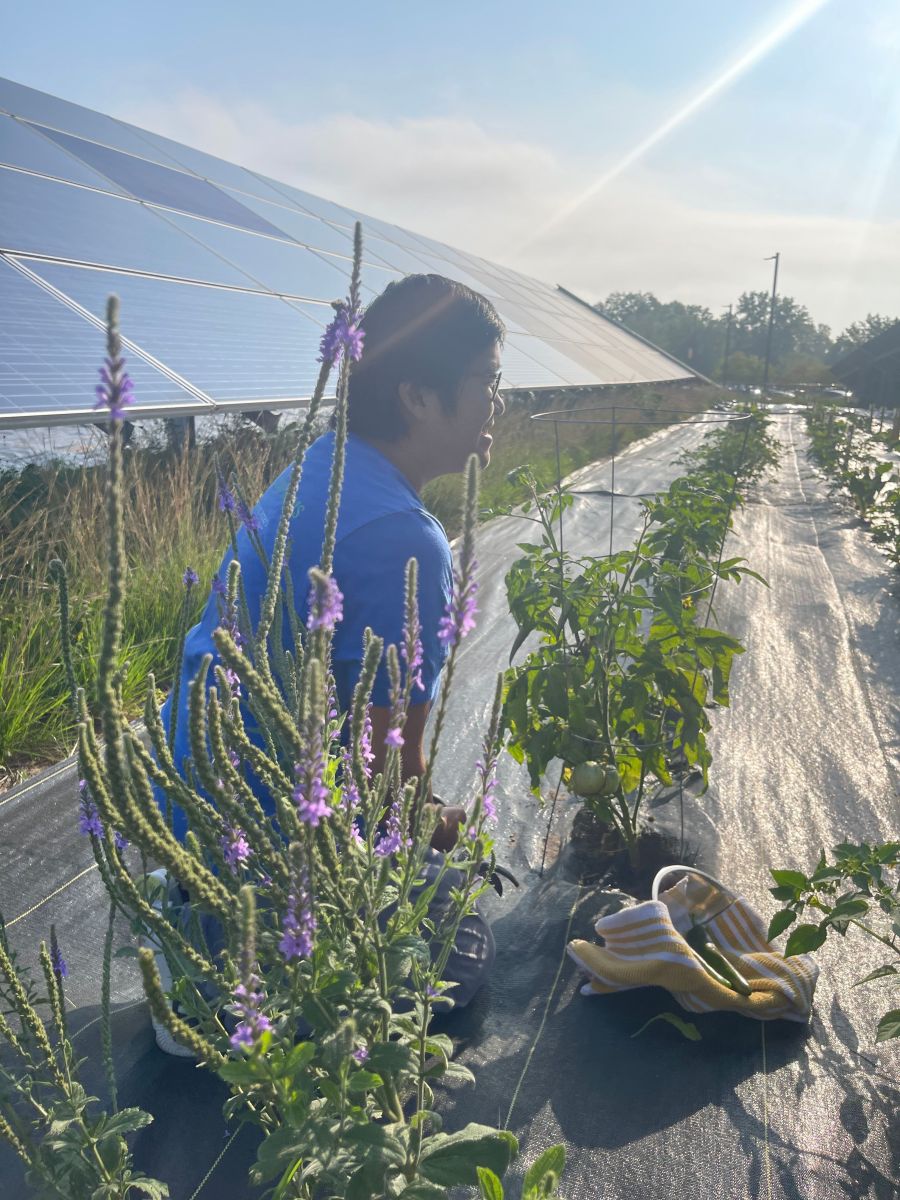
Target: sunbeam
[788, 24]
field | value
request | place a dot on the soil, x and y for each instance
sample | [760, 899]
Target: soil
[596, 854]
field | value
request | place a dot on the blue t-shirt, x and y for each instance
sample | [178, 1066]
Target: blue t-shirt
[382, 523]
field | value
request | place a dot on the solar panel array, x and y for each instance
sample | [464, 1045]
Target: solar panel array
[225, 276]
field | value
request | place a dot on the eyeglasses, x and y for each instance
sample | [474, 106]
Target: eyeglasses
[495, 387]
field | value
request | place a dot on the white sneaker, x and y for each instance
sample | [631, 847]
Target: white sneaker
[164, 1039]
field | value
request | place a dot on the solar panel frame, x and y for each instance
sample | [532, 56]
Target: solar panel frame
[51, 354]
[227, 274]
[238, 349]
[42, 109]
[54, 219]
[157, 184]
[25, 148]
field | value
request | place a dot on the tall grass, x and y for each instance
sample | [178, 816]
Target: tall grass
[58, 511]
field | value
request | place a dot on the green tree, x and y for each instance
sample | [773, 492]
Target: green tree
[690, 332]
[793, 330]
[860, 332]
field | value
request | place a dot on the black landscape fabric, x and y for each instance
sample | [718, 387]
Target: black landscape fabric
[805, 757]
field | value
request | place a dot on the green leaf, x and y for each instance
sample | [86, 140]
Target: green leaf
[804, 939]
[779, 923]
[889, 1026]
[423, 1191]
[791, 879]
[239, 1071]
[451, 1158]
[150, 1187]
[686, 1028]
[543, 1176]
[389, 1056]
[491, 1187]
[364, 1081]
[879, 973]
[127, 1120]
[848, 908]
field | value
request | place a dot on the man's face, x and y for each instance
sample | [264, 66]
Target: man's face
[467, 429]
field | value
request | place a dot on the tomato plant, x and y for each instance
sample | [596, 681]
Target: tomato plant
[626, 664]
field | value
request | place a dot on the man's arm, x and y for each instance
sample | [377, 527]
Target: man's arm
[412, 763]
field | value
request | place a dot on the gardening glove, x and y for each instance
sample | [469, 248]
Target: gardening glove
[645, 946]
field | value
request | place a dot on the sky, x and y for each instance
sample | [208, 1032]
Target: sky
[654, 146]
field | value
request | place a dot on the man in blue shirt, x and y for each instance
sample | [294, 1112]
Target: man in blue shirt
[422, 398]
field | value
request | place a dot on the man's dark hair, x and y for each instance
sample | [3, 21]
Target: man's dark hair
[424, 330]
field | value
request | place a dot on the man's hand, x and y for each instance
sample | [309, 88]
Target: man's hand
[446, 834]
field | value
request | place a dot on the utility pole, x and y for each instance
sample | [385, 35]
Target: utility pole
[776, 257]
[727, 346]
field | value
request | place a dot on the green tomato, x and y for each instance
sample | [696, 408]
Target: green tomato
[594, 779]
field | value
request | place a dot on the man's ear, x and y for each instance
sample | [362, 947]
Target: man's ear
[418, 402]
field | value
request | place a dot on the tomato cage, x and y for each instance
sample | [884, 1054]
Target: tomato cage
[618, 418]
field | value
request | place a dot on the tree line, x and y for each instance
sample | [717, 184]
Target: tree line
[802, 351]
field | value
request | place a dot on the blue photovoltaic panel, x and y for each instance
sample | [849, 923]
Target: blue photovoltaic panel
[160, 185]
[325, 210]
[41, 216]
[60, 114]
[278, 266]
[50, 356]
[302, 227]
[233, 346]
[521, 371]
[548, 356]
[216, 170]
[24, 146]
[273, 257]
[373, 277]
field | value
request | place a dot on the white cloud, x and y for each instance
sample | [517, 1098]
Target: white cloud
[451, 179]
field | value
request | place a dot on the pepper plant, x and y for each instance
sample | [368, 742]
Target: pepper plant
[311, 953]
[860, 888]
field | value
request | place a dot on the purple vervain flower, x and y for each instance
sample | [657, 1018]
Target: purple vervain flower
[121, 841]
[189, 578]
[343, 335]
[393, 839]
[366, 753]
[360, 1055]
[459, 615]
[235, 847]
[218, 586]
[311, 795]
[253, 1023]
[488, 775]
[227, 501]
[418, 657]
[247, 518]
[349, 791]
[326, 603]
[298, 926]
[393, 737]
[115, 390]
[88, 817]
[60, 967]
